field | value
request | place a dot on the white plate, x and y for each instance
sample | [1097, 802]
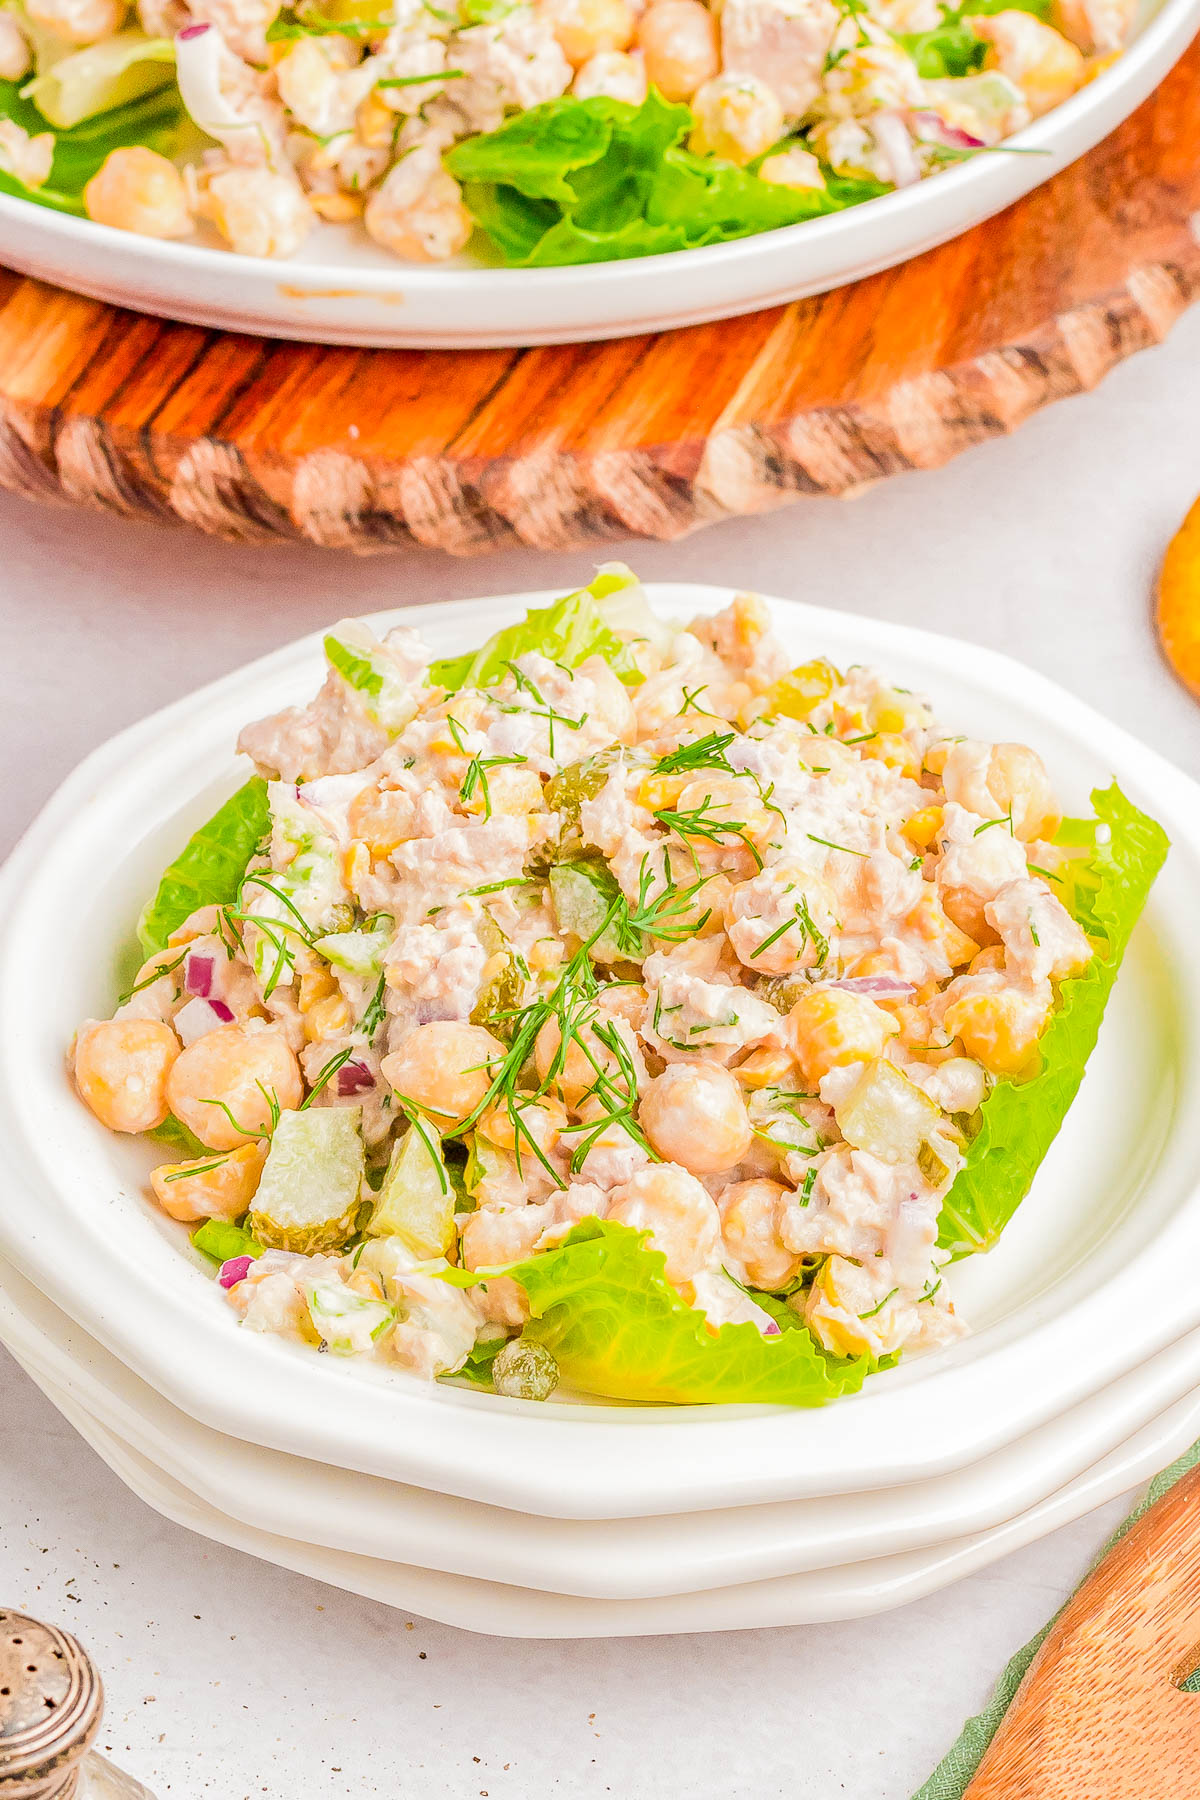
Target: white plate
[619, 1559]
[503, 1610]
[1060, 1309]
[341, 289]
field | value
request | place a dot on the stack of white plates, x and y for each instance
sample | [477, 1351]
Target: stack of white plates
[583, 1519]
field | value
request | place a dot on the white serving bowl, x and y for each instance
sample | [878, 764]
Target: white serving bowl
[1093, 1276]
[342, 289]
[507, 1608]
[613, 1559]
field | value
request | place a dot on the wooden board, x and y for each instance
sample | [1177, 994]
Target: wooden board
[371, 449]
[1100, 1714]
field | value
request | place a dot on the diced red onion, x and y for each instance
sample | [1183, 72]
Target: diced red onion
[771, 1329]
[891, 135]
[235, 1270]
[934, 130]
[354, 1078]
[878, 987]
[197, 975]
[223, 1011]
[193, 31]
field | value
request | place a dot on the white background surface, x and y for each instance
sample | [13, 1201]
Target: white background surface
[231, 1679]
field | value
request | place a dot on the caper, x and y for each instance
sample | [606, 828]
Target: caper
[524, 1370]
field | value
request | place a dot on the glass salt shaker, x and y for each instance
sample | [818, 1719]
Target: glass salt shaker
[51, 1701]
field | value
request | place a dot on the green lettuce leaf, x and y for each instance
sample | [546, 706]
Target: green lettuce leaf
[1021, 1119]
[601, 1303]
[568, 632]
[209, 867]
[157, 120]
[578, 181]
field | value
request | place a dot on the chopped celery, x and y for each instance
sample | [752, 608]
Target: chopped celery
[365, 665]
[358, 952]
[309, 1194]
[100, 77]
[222, 1241]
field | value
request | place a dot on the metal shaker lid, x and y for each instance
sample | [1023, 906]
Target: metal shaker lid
[50, 1706]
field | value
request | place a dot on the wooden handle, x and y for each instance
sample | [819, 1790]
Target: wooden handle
[1100, 1715]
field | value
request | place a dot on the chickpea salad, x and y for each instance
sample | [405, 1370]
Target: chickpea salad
[620, 1005]
[537, 132]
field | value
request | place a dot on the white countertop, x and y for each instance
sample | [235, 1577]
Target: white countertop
[232, 1679]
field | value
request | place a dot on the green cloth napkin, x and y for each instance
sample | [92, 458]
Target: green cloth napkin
[952, 1775]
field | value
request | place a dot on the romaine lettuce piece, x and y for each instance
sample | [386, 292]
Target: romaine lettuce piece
[1021, 1119]
[100, 77]
[209, 867]
[576, 181]
[568, 632]
[604, 1308]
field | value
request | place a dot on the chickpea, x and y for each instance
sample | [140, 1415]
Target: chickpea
[258, 212]
[1020, 785]
[573, 1074]
[677, 1211]
[780, 920]
[998, 1026]
[78, 21]
[202, 1190]
[737, 117]
[750, 1216]
[725, 824]
[585, 28]
[16, 58]
[230, 1068]
[445, 1067]
[615, 75]
[930, 919]
[136, 189]
[121, 1071]
[964, 908]
[1046, 66]
[694, 1115]
[417, 211]
[1000, 780]
[829, 1027]
[543, 1119]
[678, 39]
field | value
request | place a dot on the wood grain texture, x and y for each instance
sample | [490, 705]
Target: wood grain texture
[1100, 1714]
[367, 450]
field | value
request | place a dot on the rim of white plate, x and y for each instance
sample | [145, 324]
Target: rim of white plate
[621, 1559]
[295, 297]
[83, 1234]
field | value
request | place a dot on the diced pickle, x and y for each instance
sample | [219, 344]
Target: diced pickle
[781, 991]
[582, 895]
[577, 782]
[417, 1201]
[524, 1370]
[348, 1322]
[500, 995]
[888, 1114]
[309, 1194]
[802, 690]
